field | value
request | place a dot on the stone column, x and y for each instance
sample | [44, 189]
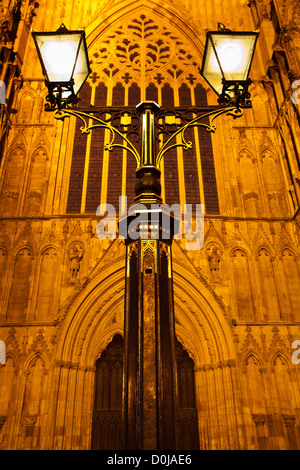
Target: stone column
[259, 420]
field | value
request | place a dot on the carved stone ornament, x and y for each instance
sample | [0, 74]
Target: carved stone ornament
[259, 419]
[2, 421]
[75, 257]
[214, 258]
[31, 420]
[288, 420]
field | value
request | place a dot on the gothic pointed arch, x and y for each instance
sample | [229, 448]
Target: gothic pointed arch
[8, 382]
[94, 317]
[12, 185]
[27, 104]
[269, 288]
[284, 397]
[36, 183]
[33, 407]
[46, 301]
[90, 312]
[21, 285]
[163, 11]
[289, 274]
[241, 267]
[107, 406]
[98, 306]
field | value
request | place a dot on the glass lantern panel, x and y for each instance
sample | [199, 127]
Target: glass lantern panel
[234, 56]
[58, 53]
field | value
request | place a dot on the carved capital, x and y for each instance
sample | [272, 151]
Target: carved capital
[31, 420]
[2, 421]
[288, 420]
[259, 419]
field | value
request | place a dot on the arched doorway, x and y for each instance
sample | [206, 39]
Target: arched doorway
[187, 412]
[107, 412]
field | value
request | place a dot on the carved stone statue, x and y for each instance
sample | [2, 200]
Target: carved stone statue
[214, 258]
[76, 254]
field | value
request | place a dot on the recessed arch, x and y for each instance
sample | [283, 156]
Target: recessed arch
[33, 357]
[287, 248]
[255, 355]
[279, 354]
[19, 249]
[89, 313]
[50, 246]
[87, 326]
[3, 250]
[263, 248]
[203, 326]
[242, 249]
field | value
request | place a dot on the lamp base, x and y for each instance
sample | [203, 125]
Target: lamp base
[235, 93]
[61, 95]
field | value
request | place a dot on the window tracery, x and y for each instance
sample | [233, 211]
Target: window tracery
[149, 49]
[142, 58]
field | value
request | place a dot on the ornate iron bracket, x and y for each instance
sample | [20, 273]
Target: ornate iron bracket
[125, 123]
[191, 116]
[103, 118]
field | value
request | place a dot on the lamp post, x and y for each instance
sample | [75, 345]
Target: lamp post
[150, 397]
[150, 384]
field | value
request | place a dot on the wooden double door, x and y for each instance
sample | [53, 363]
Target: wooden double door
[107, 413]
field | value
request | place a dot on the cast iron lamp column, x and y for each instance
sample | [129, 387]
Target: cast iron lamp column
[150, 389]
[149, 385]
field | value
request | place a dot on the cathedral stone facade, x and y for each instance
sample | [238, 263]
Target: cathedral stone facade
[237, 299]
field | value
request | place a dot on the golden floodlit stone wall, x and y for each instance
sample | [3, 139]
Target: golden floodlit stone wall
[237, 299]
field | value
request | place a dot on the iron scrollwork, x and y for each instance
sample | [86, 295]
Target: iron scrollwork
[123, 122]
[236, 93]
[124, 125]
[173, 122]
[55, 98]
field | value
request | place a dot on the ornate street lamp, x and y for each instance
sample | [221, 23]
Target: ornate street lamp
[150, 383]
[226, 64]
[65, 64]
